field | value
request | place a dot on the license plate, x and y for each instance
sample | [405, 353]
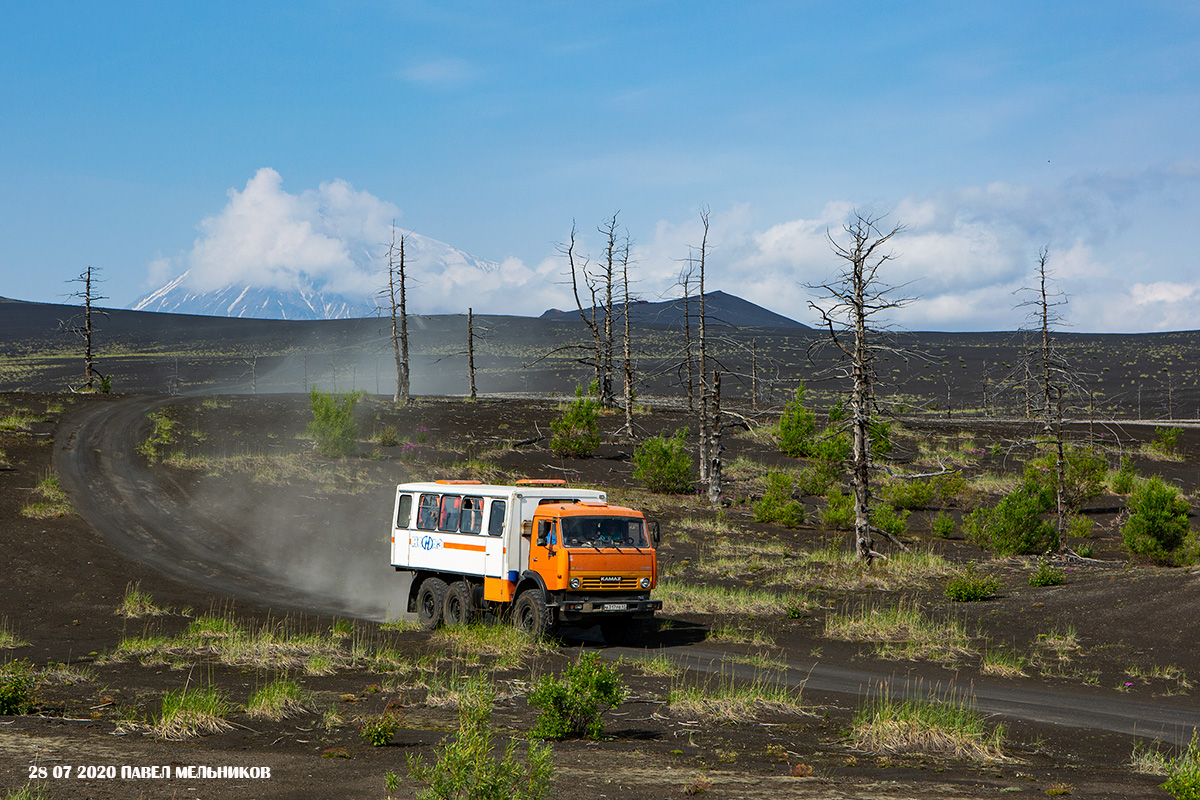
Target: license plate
[616, 607]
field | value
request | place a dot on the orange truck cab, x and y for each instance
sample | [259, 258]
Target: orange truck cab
[537, 552]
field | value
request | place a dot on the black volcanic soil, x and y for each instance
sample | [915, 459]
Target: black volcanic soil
[65, 581]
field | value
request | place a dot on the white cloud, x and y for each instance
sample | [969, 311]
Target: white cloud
[266, 237]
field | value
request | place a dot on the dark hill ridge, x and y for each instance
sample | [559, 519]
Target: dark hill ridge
[719, 308]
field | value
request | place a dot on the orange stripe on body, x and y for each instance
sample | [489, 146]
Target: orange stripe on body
[478, 548]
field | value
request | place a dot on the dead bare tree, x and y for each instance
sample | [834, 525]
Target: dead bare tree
[627, 340]
[397, 305]
[699, 258]
[849, 307]
[83, 326]
[471, 349]
[713, 444]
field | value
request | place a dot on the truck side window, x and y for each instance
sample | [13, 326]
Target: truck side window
[427, 512]
[496, 520]
[472, 515]
[404, 514]
[451, 509]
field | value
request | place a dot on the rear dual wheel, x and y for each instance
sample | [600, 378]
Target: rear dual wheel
[457, 608]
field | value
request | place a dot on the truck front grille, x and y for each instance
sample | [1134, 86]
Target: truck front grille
[593, 584]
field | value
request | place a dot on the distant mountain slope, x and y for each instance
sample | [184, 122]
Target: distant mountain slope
[719, 308]
[304, 299]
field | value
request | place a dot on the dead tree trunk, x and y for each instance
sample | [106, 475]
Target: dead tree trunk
[628, 346]
[397, 306]
[705, 399]
[852, 300]
[83, 325]
[714, 444]
[471, 349]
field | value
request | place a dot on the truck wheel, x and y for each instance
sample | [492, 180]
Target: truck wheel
[620, 630]
[530, 613]
[457, 608]
[431, 598]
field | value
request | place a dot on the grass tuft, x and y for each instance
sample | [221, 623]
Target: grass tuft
[731, 701]
[280, 698]
[137, 603]
[950, 728]
[902, 631]
[192, 711]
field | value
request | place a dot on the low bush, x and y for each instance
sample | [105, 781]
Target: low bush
[880, 433]
[834, 448]
[890, 520]
[1013, 526]
[969, 586]
[912, 494]
[1157, 527]
[1122, 481]
[16, 687]
[1084, 472]
[943, 525]
[378, 729]
[839, 510]
[333, 427]
[466, 769]
[777, 505]
[815, 479]
[1183, 782]
[573, 702]
[576, 431]
[948, 487]
[1046, 574]
[664, 465]
[1166, 440]
[797, 425]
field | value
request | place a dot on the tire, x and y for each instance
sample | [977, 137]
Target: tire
[431, 599]
[620, 630]
[530, 613]
[457, 610]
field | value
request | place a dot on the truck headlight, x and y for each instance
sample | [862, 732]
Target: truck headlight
[576, 583]
[645, 583]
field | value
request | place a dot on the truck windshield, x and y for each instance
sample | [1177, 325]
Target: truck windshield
[604, 532]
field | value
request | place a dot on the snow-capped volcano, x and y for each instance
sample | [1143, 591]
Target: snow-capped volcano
[294, 294]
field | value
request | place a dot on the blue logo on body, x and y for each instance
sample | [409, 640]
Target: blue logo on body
[429, 543]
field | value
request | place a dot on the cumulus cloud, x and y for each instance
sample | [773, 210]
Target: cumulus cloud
[266, 237]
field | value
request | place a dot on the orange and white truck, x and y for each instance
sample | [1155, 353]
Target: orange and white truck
[538, 552]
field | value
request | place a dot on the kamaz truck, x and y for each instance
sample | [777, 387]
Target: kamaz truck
[538, 553]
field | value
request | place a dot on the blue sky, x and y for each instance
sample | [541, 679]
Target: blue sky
[129, 132]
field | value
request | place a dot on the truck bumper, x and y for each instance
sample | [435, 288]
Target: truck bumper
[577, 610]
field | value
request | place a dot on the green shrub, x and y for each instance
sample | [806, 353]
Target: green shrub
[1183, 783]
[378, 729]
[466, 769]
[387, 436]
[1158, 523]
[943, 525]
[1123, 480]
[969, 587]
[16, 686]
[890, 520]
[838, 412]
[908, 494]
[572, 703]
[663, 465]
[880, 433]
[1083, 477]
[577, 429]
[777, 505]
[1013, 526]
[833, 448]
[815, 479]
[796, 426]
[1080, 527]
[1166, 440]
[333, 428]
[1046, 574]
[839, 510]
[948, 487]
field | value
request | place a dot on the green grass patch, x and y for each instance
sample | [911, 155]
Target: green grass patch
[690, 598]
[53, 503]
[969, 586]
[951, 728]
[8, 639]
[192, 711]
[279, 699]
[729, 700]
[902, 631]
[138, 603]
[507, 646]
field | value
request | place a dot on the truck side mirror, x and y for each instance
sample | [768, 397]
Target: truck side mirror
[655, 535]
[543, 536]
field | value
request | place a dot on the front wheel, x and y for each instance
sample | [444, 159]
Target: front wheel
[431, 598]
[530, 613]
